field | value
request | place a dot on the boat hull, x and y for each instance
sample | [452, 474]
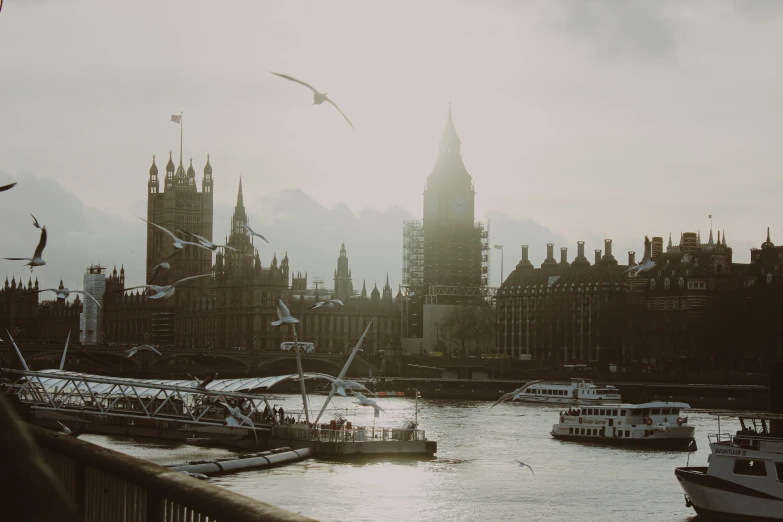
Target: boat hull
[567, 400]
[722, 499]
[660, 443]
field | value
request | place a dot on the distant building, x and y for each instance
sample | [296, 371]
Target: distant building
[445, 255]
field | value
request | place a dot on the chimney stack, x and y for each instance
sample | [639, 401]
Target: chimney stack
[580, 249]
[631, 258]
[525, 263]
[657, 247]
[524, 252]
[550, 250]
[563, 256]
[597, 256]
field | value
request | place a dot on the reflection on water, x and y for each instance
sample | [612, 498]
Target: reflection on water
[474, 476]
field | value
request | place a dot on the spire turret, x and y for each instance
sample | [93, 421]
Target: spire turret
[669, 246]
[364, 289]
[449, 166]
[711, 242]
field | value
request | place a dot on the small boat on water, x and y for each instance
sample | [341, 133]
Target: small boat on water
[744, 476]
[577, 391]
[657, 425]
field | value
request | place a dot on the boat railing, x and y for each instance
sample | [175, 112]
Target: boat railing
[749, 440]
[358, 434]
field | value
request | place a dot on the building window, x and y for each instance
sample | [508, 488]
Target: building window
[652, 284]
[666, 283]
[769, 279]
[682, 283]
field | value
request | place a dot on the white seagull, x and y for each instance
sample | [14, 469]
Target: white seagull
[63, 293]
[130, 352]
[283, 315]
[37, 260]
[206, 243]
[646, 263]
[523, 465]
[514, 395]
[318, 97]
[202, 384]
[178, 243]
[331, 303]
[236, 418]
[253, 232]
[199, 476]
[163, 292]
[362, 400]
[35, 222]
[7, 187]
[340, 385]
[163, 265]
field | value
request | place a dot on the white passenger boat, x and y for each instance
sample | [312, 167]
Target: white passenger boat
[658, 425]
[744, 476]
[578, 391]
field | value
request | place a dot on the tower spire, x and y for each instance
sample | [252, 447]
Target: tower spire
[240, 196]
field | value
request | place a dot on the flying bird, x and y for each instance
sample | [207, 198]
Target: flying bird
[318, 97]
[237, 418]
[646, 263]
[178, 243]
[63, 293]
[130, 352]
[37, 260]
[202, 384]
[65, 428]
[253, 232]
[11, 185]
[35, 222]
[331, 303]
[283, 315]
[340, 385]
[523, 465]
[206, 243]
[163, 265]
[164, 292]
[362, 400]
[514, 395]
[199, 476]
[68, 431]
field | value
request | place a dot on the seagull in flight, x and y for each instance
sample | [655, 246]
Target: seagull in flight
[202, 385]
[523, 465]
[199, 476]
[283, 315]
[37, 260]
[130, 352]
[163, 265]
[253, 232]
[514, 395]
[207, 243]
[35, 222]
[63, 293]
[340, 385]
[178, 243]
[362, 400]
[646, 263]
[11, 185]
[164, 292]
[65, 428]
[236, 418]
[318, 97]
[331, 303]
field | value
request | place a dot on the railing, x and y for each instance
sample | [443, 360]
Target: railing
[108, 486]
[368, 434]
[752, 441]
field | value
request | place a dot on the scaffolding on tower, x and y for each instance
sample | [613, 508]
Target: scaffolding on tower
[413, 256]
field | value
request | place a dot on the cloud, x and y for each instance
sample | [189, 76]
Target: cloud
[630, 29]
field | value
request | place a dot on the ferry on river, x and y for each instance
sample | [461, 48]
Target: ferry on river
[578, 391]
[658, 425]
[744, 476]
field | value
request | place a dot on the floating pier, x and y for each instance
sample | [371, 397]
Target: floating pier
[265, 459]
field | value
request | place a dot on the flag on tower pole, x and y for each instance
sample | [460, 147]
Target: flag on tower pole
[177, 118]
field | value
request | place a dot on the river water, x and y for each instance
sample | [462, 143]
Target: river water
[474, 475]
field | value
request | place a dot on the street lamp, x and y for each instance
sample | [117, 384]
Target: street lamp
[502, 255]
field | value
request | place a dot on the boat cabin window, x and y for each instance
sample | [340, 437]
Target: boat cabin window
[754, 468]
[614, 413]
[779, 469]
[622, 413]
[656, 411]
[627, 433]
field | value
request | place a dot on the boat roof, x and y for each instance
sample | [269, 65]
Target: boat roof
[656, 404]
[759, 415]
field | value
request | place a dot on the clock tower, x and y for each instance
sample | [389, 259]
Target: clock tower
[452, 239]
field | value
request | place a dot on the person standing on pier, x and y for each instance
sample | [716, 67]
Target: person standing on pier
[281, 413]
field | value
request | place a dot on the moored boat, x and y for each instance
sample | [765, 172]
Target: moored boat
[657, 425]
[577, 391]
[744, 476]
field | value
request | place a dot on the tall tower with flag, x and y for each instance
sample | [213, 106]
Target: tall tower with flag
[179, 207]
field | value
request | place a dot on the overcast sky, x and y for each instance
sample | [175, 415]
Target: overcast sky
[579, 120]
